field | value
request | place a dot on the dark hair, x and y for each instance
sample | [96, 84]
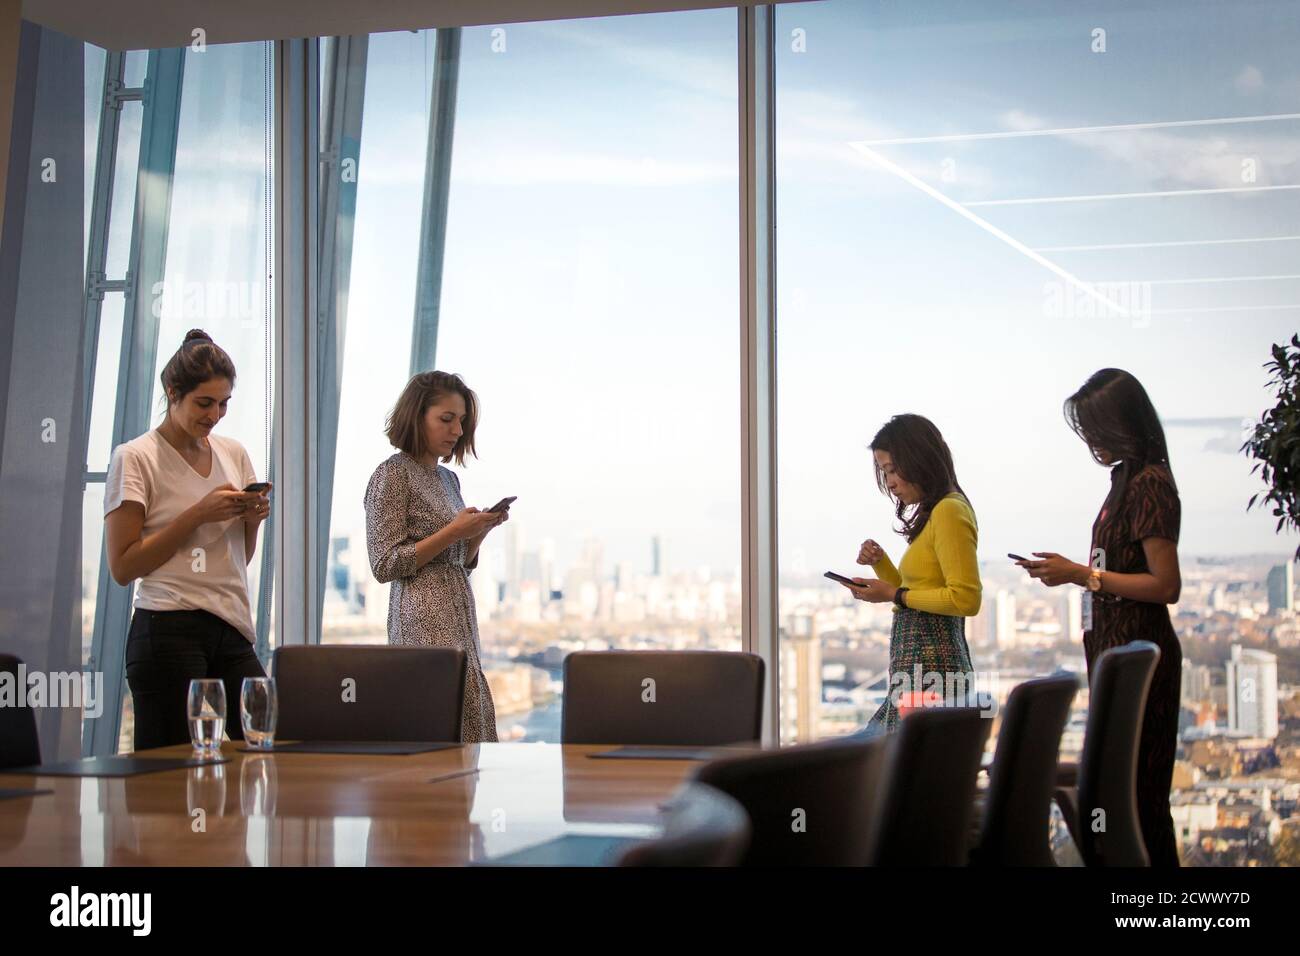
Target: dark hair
[195, 362]
[405, 423]
[921, 457]
[1111, 412]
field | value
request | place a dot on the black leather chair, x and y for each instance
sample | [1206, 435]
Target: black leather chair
[401, 693]
[1018, 804]
[697, 698]
[19, 744]
[1099, 798]
[808, 805]
[702, 827]
[927, 802]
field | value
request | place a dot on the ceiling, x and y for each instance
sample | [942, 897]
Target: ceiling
[155, 24]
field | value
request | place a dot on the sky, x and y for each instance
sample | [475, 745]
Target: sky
[590, 286]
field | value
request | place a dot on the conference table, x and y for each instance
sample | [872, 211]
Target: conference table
[507, 803]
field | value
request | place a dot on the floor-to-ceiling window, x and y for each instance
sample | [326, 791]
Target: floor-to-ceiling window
[212, 229]
[589, 297]
[980, 204]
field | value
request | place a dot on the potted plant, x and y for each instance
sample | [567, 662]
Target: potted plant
[1275, 441]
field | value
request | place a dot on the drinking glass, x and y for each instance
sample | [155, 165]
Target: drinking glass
[207, 714]
[258, 710]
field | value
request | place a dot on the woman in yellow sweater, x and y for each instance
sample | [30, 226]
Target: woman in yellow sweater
[936, 585]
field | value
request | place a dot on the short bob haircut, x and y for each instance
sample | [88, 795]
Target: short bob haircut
[405, 423]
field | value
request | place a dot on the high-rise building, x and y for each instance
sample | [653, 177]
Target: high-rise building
[1004, 619]
[1281, 588]
[1195, 685]
[656, 556]
[514, 551]
[547, 559]
[981, 633]
[1071, 611]
[1252, 693]
[801, 679]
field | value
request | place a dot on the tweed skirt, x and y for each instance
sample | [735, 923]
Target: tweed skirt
[921, 646]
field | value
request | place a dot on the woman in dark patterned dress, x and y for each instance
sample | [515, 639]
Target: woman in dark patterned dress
[421, 537]
[1134, 575]
[936, 585]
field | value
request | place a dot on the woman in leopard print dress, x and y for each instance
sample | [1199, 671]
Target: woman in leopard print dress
[422, 538]
[1133, 575]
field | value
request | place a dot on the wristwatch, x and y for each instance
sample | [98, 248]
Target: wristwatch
[898, 596]
[1094, 580]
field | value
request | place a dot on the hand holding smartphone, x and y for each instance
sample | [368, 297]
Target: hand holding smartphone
[258, 487]
[503, 504]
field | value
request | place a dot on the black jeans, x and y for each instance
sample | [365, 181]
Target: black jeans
[168, 649]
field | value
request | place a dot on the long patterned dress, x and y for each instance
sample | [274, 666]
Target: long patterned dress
[432, 606]
[1150, 509]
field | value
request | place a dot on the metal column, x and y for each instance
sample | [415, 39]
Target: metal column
[437, 187]
[760, 620]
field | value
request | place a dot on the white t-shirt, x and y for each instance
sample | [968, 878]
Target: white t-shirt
[208, 572]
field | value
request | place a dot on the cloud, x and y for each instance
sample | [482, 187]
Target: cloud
[1196, 159]
[1249, 80]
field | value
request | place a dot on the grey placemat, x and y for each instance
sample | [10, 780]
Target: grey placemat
[395, 747]
[567, 851]
[658, 753]
[15, 794]
[114, 766]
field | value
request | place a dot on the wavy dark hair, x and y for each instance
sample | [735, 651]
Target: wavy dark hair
[405, 424]
[922, 458]
[198, 360]
[1112, 413]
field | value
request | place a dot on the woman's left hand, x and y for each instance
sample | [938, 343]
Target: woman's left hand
[873, 590]
[258, 509]
[1054, 570]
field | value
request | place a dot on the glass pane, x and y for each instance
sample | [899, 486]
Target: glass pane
[217, 240]
[946, 203]
[137, 67]
[94, 77]
[103, 404]
[121, 217]
[92, 543]
[592, 231]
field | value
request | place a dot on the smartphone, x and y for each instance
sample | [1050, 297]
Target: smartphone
[503, 504]
[258, 486]
[842, 579]
[1016, 557]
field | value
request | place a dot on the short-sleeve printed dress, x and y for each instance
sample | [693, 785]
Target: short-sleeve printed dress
[431, 606]
[1150, 509]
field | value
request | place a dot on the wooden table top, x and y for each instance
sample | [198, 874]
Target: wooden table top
[448, 807]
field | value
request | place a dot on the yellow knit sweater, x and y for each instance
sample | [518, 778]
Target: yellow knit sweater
[939, 568]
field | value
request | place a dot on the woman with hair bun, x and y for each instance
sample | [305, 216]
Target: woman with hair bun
[176, 518]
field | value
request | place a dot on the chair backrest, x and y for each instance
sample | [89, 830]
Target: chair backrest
[1014, 830]
[396, 693]
[702, 827]
[19, 744]
[1108, 831]
[929, 792]
[808, 805]
[681, 698]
